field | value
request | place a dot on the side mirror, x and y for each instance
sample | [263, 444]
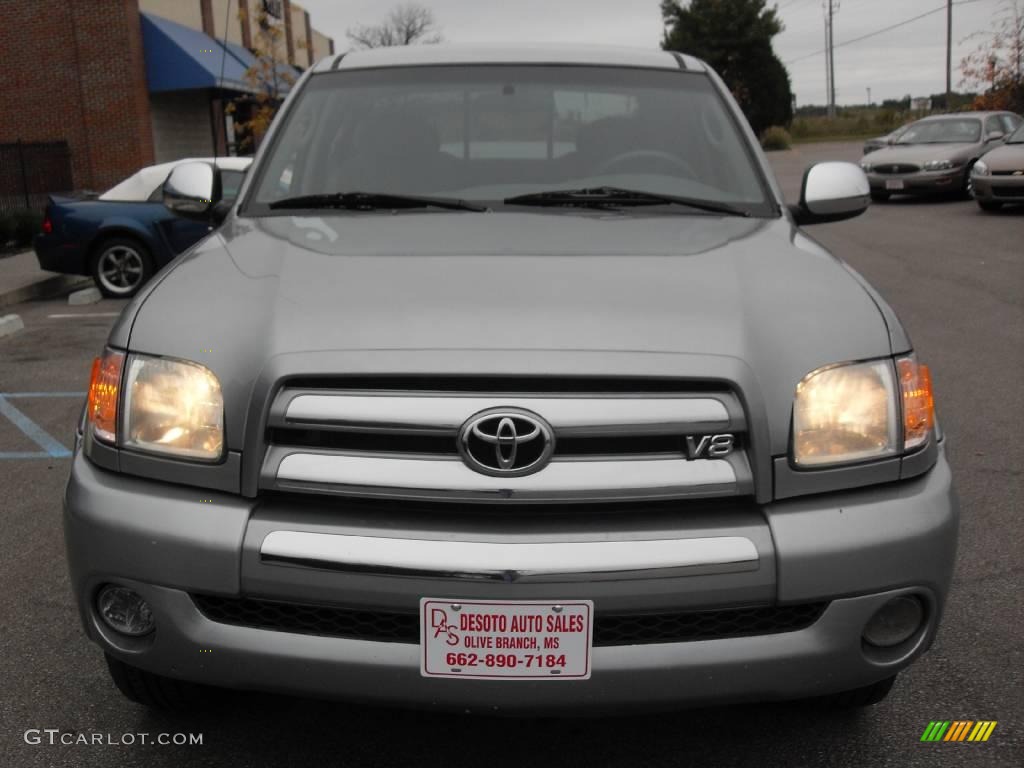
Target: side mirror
[994, 136]
[832, 192]
[192, 189]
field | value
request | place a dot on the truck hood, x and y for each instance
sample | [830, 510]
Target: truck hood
[506, 293]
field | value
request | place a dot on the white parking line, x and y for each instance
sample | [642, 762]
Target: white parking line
[86, 314]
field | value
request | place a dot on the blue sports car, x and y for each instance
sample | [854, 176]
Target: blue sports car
[124, 236]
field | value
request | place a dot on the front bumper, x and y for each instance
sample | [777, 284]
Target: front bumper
[920, 182]
[855, 549]
[999, 189]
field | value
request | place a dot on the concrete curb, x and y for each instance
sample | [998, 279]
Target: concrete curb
[10, 324]
[89, 295]
[46, 288]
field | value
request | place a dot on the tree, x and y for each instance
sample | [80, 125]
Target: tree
[269, 78]
[996, 67]
[735, 38]
[404, 25]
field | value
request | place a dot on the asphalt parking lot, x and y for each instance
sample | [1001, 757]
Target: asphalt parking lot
[956, 277]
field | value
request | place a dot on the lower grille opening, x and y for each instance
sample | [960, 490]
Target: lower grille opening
[609, 629]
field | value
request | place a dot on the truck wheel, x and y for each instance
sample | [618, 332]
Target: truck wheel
[867, 696]
[153, 690]
[879, 197]
[121, 266]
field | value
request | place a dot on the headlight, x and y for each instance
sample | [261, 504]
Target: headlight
[939, 165]
[172, 407]
[867, 167]
[980, 169]
[845, 413]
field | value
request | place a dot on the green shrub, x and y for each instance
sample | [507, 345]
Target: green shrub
[775, 138]
[800, 128]
[850, 123]
[26, 224]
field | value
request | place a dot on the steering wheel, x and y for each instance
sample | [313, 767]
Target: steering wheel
[644, 154]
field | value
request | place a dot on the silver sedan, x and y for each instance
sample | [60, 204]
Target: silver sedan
[936, 154]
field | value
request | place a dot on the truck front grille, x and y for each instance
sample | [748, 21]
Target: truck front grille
[610, 629]
[612, 441]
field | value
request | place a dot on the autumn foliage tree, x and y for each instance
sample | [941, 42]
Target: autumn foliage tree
[995, 69]
[269, 78]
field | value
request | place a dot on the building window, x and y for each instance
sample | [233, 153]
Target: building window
[274, 8]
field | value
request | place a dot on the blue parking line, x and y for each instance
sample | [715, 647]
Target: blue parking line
[23, 455]
[33, 431]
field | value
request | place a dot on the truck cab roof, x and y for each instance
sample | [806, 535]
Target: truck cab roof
[568, 54]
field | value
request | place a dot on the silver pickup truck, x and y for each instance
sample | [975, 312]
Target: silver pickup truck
[511, 383]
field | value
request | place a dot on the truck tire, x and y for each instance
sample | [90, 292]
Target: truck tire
[152, 690]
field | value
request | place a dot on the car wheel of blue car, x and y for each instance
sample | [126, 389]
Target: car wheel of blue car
[121, 267]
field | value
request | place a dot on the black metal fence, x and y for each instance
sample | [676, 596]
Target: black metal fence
[31, 171]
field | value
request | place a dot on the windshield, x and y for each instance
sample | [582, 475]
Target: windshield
[1017, 137]
[958, 131]
[484, 134]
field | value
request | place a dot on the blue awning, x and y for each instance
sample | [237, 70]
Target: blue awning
[179, 58]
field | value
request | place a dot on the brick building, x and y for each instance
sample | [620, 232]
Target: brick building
[129, 83]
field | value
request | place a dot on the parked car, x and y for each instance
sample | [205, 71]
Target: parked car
[511, 383]
[999, 175]
[936, 154]
[125, 235]
[871, 145]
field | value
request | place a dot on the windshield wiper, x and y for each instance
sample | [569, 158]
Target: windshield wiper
[600, 197]
[370, 201]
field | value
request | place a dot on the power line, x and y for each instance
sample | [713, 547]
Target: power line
[881, 31]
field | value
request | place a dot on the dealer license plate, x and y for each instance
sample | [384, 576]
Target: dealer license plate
[894, 183]
[505, 640]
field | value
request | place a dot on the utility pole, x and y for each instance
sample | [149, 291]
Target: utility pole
[828, 70]
[831, 7]
[949, 52]
[869, 95]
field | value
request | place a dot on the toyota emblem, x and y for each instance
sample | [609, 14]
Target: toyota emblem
[506, 442]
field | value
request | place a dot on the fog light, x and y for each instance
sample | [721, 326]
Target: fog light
[124, 610]
[895, 622]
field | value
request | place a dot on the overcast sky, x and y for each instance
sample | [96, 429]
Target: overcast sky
[910, 59]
